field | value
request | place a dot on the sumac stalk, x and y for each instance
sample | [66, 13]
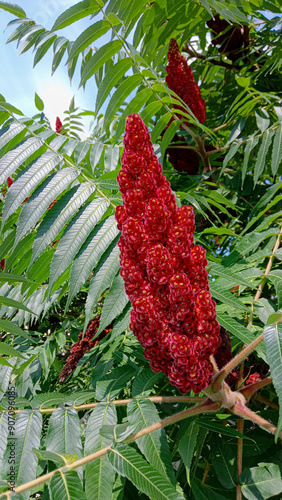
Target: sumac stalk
[164, 272]
[180, 79]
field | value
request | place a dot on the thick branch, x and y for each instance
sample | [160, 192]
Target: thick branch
[197, 55]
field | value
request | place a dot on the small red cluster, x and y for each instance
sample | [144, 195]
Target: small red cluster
[83, 345]
[164, 271]
[180, 79]
[253, 378]
[59, 125]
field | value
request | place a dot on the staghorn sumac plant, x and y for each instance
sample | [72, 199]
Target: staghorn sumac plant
[172, 401]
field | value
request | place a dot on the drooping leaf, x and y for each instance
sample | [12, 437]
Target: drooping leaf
[251, 144]
[232, 151]
[74, 237]
[111, 78]
[145, 478]
[119, 96]
[258, 483]
[103, 277]
[224, 463]
[168, 136]
[273, 341]
[99, 474]
[13, 9]
[265, 144]
[26, 434]
[58, 216]
[13, 159]
[13, 303]
[87, 258]
[114, 303]
[41, 199]
[76, 12]
[7, 348]
[66, 485]
[187, 445]
[142, 413]
[101, 56]
[277, 150]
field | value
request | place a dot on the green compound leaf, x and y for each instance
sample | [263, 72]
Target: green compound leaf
[266, 142]
[90, 253]
[120, 95]
[187, 445]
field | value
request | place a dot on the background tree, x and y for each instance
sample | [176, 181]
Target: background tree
[60, 259]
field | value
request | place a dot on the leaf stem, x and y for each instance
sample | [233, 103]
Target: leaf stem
[253, 388]
[121, 402]
[266, 401]
[242, 411]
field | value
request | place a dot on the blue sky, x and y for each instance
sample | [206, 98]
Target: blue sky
[19, 80]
